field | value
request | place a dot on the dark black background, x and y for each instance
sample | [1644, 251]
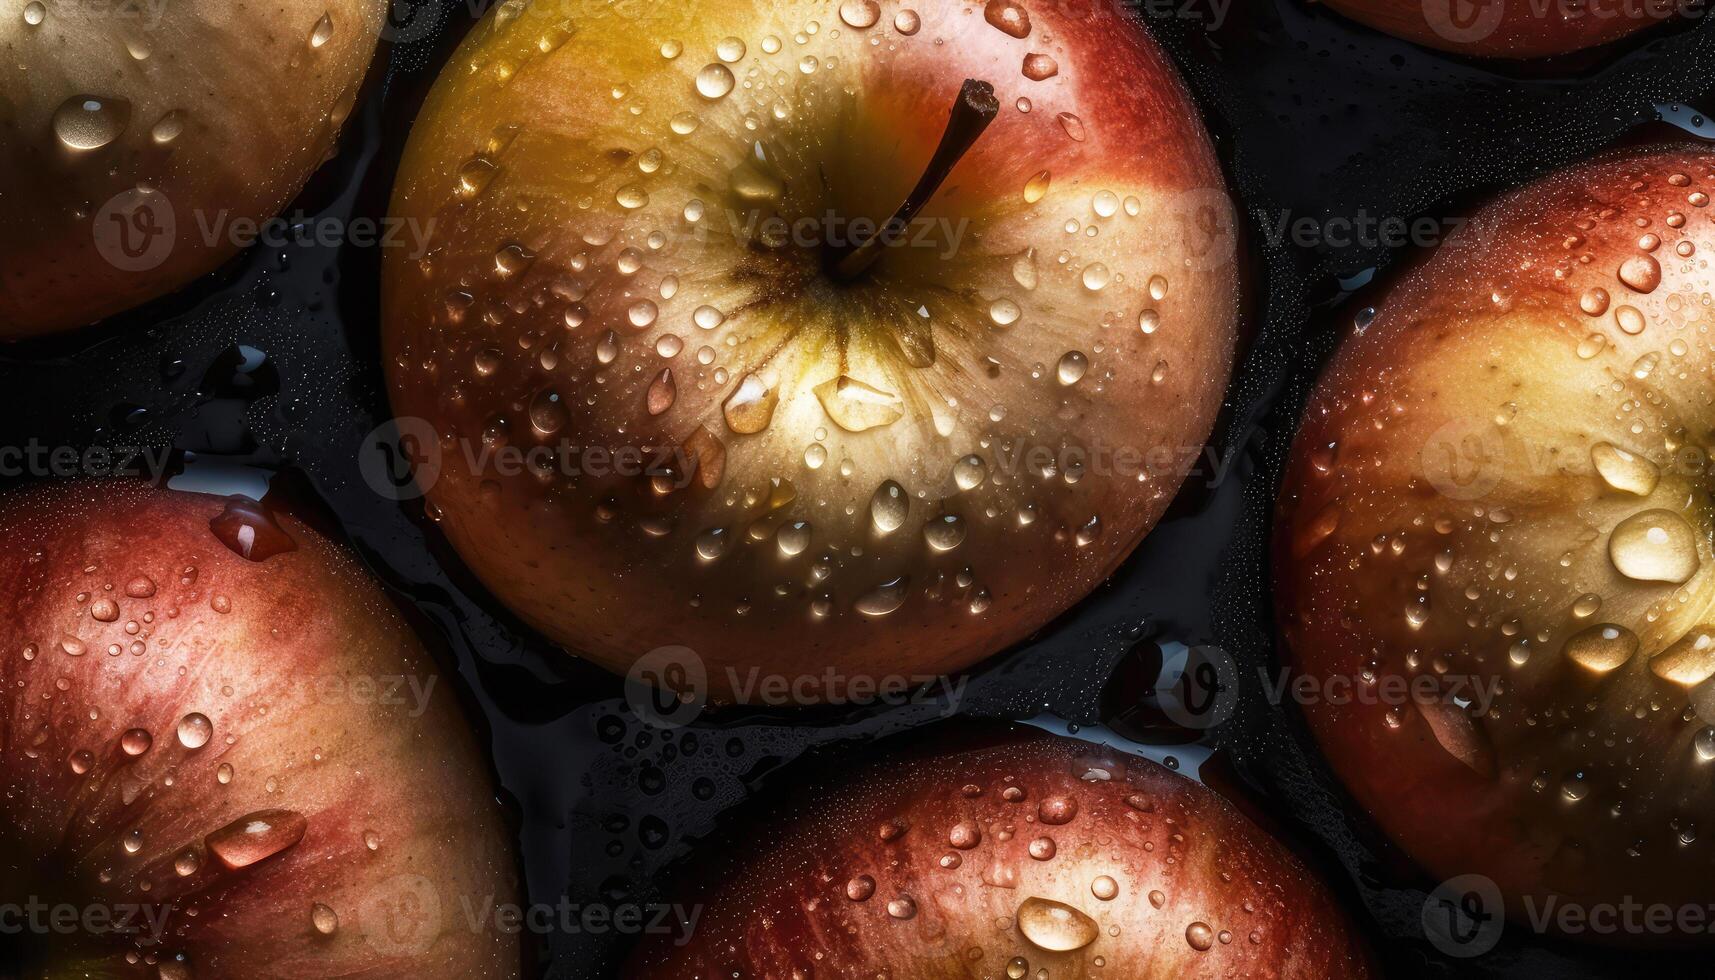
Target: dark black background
[1314, 117]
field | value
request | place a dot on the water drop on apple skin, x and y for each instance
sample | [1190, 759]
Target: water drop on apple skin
[90, 122]
[1055, 926]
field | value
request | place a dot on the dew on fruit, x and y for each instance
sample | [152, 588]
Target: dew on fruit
[662, 392]
[1601, 648]
[322, 32]
[792, 539]
[35, 13]
[861, 14]
[135, 741]
[631, 197]
[860, 888]
[1055, 926]
[168, 127]
[884, 598]
[714, 81]
[249, 531]
[750, 407]
[1073, 126]
[1043, 848]
[1594, 302]
[671, 49]
[255, 837]
[903, 907]
[1654, 546]
[1642, 273]
[1624, 471]
[1037, 186]
[888, 507]
[685, 123]
[1689, 660]
[188, 863]
[969, 472]
[90, 122]
[194, 730]
[224, 774]
[1096, 277]
[1105, 888]
[1200, 936]
[711, 544]
[945, 532]
[323, 919]
[1024, 268]
[1004, 312]
[1038, 67]
[1088, 532]
[856, 406]
[907, 22]
[1072, 366]
[548, 413]
[1007, 17]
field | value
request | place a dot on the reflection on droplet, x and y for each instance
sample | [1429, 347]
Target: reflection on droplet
[1624, 471]
[1654, 546]
[195, 730]
[714, 81]
[860, 14]
[856, 406]
[256, 837]
[1007, 17]
[324, 919]
[322, 32]
[1072, 366]
[1601, 648]
[90, 122]
[1036, 188]
[945, 532]
[884, 598]
[1040, 66]
[1689, 660]
[888, 507]
[750, 408]
[969, 472]
[1055, 926]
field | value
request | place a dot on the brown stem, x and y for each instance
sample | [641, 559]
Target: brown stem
[975, 108]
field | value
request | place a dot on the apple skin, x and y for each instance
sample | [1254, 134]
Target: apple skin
[777, 905]
[257, 106]
[1451, 473]
[521, 153]
[1512, 29]
[274, 654]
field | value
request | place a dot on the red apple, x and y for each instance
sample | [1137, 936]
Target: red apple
[677, 404]
[136, 138]
[1514, 28]
[247, 761]
[1034, 856]
[1500, 496]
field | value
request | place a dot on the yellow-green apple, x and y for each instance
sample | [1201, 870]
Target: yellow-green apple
[139, 139]
[1499, 501]
[1028, 856]
[1514, 29]
[681, 391]
[225, 755]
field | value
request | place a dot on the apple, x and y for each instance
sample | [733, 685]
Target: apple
[1026, 856]
[138, 137]
[1499, 502]
[1514, 29]
[227, 755]
[676, 389]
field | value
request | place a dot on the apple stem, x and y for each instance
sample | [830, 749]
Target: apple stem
[975, 108]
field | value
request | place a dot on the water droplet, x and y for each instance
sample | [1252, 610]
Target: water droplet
[1594, 302]
[324, 919]
[907, 22]
[89, 122]
[1096, 277]
[1689, 660]
[195, 730]
[1642, 273]
[1072, 366]
[135, 741]
[255, 837]
[945, 533]
[1601, 648]
[1654, 546]
[1007, 17]
[1624, 471]
[1055, 926]
[187, 863]
[249, 531]
[859, 889]
[168, 127]
[1024, 269]
[547, 412]
[671, 49]
[35, 13]
[1105, 888]
[1073, 126]
[969, 472]
[1200, 936]
[750, 407]
[861, 14]
[1038, 67]
[884, 598]
[1036, 188]
[856, 406]
[322, 33]
[662, 392]
[714, 81]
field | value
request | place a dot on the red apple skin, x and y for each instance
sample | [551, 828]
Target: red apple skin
[266, 652]
[1185, 865]
[252, 107]
[1447, 475]
[609, 565]
[1513, 29]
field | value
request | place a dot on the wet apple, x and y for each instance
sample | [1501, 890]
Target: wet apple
[1501, 495]
[807, 335]
[223, 743]
[139, 140]
[1029, 856]
[1515, 29]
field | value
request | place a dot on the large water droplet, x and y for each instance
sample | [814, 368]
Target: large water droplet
[195, 730]
[856, 406]
[1624, 471]
[1055, 926]
[255, 837]
[90, 122]
[1007, 17]
[1601, 648]
[750, 408]
[714, 81]
[888, 507]
[884, 598]
[1654, 546]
